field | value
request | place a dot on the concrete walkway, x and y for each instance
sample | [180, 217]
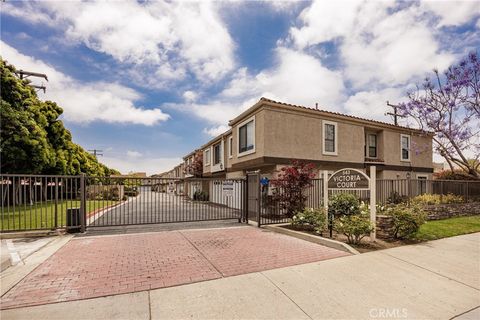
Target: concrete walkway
[435, 280]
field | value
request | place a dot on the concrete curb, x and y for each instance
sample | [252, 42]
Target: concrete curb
[11, 276]
[311, 238]
[31, 234]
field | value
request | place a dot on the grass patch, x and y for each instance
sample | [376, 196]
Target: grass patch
[437, 229]
[42, 216]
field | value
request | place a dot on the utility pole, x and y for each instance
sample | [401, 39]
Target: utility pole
[96, 152]
[22, 74]
[395, 113]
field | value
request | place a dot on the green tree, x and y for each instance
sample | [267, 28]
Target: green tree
[33, 139]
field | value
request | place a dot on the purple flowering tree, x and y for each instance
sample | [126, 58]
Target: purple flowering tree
[448, 106]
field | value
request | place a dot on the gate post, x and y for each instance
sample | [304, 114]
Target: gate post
[245, 200]
[373, 202]
[83, 215]
[56, 202]
[259, 199]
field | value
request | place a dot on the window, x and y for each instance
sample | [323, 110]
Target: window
[207, 156]
[230, 147]
[246, 137]
[405, 147]
[330, 138]
[372, 145]
[217, 152]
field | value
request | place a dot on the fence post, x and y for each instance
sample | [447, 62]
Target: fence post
[245, 201]
[83, 215]
[441, 191]
[466, 191]
[373, 202]
[259, 199]
[56, 202]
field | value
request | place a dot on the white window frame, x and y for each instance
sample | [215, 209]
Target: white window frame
[230, 147]
[241, 154]
[335, 124]
[409, 147]
[207, 158]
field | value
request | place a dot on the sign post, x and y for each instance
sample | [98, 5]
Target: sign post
[373, 202]
[353, 179]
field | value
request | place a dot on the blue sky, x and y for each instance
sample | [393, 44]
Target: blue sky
[147, 82]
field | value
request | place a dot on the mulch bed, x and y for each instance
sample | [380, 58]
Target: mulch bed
[365, 245]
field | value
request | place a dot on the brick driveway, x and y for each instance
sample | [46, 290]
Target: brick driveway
[107, 265]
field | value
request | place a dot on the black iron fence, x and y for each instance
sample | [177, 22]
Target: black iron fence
[271, 210]
[43, 202]
[34, 202]
[387, 191]
[406, 189]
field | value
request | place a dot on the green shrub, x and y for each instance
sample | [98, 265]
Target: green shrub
[309, 218]
[343, 204]
[406, 220]
[396, 198]
[428, 198]
[200, 195]
[355, 227]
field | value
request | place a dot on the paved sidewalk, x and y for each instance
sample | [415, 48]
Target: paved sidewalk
[435, 280]
[108, 265]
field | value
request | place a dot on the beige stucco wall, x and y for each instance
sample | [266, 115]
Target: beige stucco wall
[422, 144]
[259, 139]
[295, 135]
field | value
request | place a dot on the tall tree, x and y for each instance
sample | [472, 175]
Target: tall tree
[449, 106]
[33, 138]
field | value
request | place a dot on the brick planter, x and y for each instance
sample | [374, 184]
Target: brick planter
[434, 212]
[384, 227]
[445, 211]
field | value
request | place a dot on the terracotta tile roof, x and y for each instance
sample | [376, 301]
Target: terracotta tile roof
[337, 114]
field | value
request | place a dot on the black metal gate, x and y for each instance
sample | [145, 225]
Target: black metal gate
[253, 197]
[43, 202]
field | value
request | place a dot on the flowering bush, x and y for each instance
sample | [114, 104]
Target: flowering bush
[290, 185]
[313, 219]
[343, 204]
[427, 198]
[355, 227]
[406, 220]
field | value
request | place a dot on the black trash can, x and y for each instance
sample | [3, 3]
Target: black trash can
[73, 220]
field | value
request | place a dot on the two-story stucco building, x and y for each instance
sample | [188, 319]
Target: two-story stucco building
[271, 134]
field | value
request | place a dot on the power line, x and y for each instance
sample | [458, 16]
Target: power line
[22, 74]
[96, 152]
[395, 113]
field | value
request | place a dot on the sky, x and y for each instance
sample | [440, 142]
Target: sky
[149, 82]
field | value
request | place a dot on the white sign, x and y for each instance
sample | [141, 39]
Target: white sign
[227, 188]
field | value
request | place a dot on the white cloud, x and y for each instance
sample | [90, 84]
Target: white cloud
[216, 131]
[133, 154]
[86, 102]
[325, 21]
[452, 13]
[377, 46]
[190, 96]
[297, 78]
[168, 38]
[372, 104]
[146, 164]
